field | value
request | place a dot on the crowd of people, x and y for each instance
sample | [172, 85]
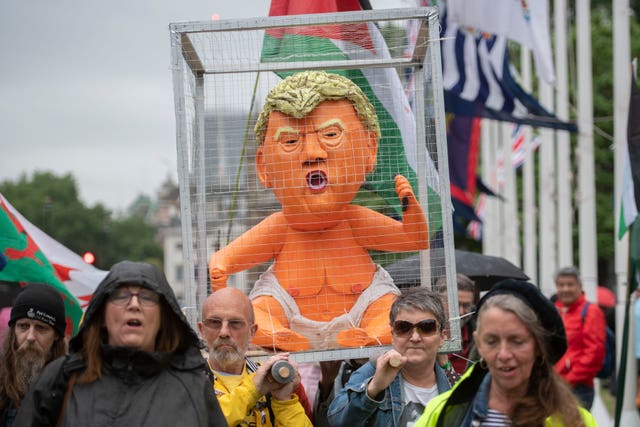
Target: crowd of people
[135, 360]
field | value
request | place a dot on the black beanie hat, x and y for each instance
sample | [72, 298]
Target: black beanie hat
[40, 302]
[545, 311]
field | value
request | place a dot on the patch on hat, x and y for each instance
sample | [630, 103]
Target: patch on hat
[40, 302]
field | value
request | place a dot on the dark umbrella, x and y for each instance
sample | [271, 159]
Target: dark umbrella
[485, 270]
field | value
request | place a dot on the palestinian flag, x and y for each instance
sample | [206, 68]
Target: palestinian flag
[631, 178]
[30, 256]
[397, 153]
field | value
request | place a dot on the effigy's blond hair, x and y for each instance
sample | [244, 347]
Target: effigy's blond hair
[299, 94]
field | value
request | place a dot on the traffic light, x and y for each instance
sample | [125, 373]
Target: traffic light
[89, 257]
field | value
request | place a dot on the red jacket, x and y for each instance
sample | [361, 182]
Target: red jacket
[586, 342]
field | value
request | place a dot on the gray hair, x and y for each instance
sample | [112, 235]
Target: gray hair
[418, 298]
[568, 271]
[465, 283]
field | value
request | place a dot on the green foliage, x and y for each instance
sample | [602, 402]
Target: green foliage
[51, 203]
[603, 93]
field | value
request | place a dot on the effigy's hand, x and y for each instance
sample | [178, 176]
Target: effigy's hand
[405, 192]
[218, 276]
[283, 339]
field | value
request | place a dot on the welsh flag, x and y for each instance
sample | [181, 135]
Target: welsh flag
[397, 148]
[30, 255]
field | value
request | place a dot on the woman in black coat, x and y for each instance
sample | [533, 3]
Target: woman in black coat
[135, 361]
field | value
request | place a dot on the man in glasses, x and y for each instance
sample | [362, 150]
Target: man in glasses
[394, 389]
[248, 393]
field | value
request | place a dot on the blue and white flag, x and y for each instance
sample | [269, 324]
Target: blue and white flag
[526, 22]
[478, 81]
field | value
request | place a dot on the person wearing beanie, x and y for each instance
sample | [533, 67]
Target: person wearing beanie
[519, 336]
[35, 337]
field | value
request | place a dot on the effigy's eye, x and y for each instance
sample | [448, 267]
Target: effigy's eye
[331, 136]
[289, 142]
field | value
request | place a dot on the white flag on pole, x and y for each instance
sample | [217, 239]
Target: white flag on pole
[524, 22]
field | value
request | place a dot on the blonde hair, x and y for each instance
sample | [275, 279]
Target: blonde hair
[299, 94]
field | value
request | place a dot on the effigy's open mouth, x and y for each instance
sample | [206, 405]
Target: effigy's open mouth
[317, 180]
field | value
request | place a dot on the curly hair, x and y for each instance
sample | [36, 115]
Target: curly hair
[299, 94]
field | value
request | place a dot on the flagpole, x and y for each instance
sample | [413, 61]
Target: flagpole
[529, 208]
[548, 225]
[490, 230]
[511, 246]
[586, 177]
[563, 144]
[621, 55]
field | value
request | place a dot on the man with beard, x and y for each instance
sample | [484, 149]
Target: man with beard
[247, 392]
[35, 337]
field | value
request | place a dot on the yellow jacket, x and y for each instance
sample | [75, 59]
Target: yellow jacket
[242, 404]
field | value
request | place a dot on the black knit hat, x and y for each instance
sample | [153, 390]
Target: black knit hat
[40, 302]
[545, 311]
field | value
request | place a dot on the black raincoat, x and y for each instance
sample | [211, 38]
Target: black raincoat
[136, 388]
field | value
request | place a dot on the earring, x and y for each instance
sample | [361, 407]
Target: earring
[483, 363]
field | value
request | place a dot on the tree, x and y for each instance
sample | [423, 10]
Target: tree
[51, 203]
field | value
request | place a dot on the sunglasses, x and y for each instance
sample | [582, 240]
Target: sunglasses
[425, 327]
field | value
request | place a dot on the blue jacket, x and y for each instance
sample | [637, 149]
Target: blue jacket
[352, 407]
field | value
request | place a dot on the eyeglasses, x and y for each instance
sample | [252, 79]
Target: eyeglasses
[146, 298]
[216, 324]
[425, 327]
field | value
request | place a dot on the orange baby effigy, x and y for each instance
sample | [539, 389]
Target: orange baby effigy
[318, 139]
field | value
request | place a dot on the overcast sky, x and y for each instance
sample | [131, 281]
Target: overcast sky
[86, 89]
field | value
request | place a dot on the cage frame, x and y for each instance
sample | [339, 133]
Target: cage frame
[427, 52]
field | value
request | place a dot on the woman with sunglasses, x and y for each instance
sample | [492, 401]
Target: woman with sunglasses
[135, 361]
[519, 336]
[394, 389]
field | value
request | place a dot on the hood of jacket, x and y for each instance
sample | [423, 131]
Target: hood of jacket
[133, 273]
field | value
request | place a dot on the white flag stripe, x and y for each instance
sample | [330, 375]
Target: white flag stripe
[495, 100]
[629, 206]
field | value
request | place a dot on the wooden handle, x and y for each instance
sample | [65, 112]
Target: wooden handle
[395, 361]
[282, 372]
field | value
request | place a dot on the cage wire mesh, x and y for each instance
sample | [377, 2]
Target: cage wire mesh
[306, 220]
